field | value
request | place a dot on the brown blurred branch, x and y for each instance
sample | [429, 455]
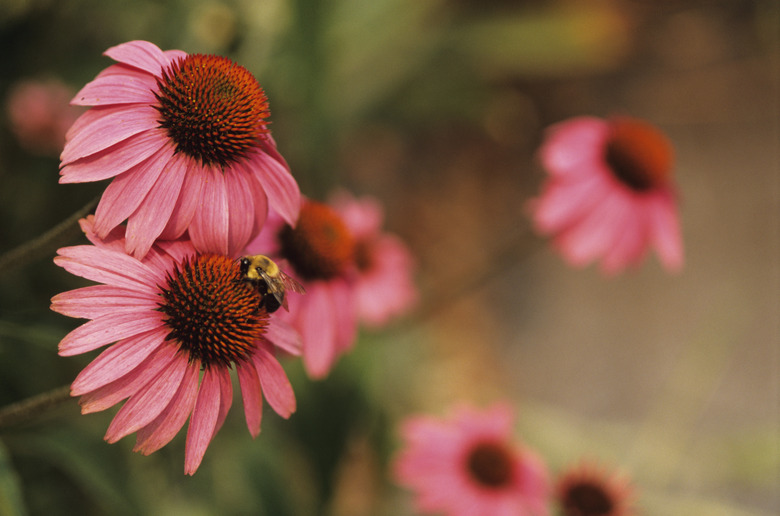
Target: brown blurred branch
[48, 242]
[31, 407]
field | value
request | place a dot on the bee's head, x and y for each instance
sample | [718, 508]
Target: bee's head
[243, 265]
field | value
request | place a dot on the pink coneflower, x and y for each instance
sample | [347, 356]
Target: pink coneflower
[383, 284]
[610, 193]
[40, 114]
[589, 490]
[320, 253]
[467, 465]
[185, 138]
[168, 318]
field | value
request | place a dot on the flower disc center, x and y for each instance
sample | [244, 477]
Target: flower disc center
[587, 500]
[213, 109]
[320, 247]
[639, 154]
[211, 312]
[490, 464]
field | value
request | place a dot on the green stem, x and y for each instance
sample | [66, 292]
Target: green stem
[48, 242]
[30, 408]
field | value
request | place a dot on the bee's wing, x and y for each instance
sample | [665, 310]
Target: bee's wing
[291, 283]
[273, 287]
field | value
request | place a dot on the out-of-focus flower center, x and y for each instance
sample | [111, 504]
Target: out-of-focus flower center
[213, 109]
[319, 247]
[586, 499]
[211, 312]
[364, 255]
[639, 154]
[490, 464]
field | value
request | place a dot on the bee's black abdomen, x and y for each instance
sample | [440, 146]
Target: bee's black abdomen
[271, 303]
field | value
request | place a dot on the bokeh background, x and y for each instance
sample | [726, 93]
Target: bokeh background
[437, 107]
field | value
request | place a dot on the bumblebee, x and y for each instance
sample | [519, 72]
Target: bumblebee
[269, 280]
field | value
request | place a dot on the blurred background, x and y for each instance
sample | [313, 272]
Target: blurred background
[437, 108]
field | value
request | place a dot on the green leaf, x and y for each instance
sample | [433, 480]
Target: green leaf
[11, 502]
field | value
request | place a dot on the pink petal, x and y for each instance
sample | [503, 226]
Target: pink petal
[283, 336]
[140, 54]
[563, 203]
[159, 432]
[665, 231]
[209, 229]
[202, 422]
[120, 85]
[242, 209]
[592, 236]
[630, 245]
[149, 220]
[109, 329]
[111, 394]
[280, 186]
[225, 397]
[345, 315]
[251, 395]
[189, 200]
[101, 265]
[276, 386]
[128, 190]
[174, 55]
[99, 300]
[116, 361]
[113, 161]
[150, 400]
[103, 127]
[261, 205]
[574, 146]
[318, 331]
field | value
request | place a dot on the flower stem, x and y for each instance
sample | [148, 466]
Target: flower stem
[28, 409]
[48, 242]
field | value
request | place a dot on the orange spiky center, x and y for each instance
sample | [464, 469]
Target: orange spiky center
[490, 464]
[319, 247]
[213, 109]
[213, 315]
[639, 154]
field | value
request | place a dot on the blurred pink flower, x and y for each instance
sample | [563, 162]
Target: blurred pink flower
[467, 465]
[320, 253]
[185, 138]
[40, 114]
[383, 286]
[167, 318]
[610, 193]
[589, 490]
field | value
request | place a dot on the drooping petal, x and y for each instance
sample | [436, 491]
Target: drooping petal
[252, 396]
[209, 229]
[562, 203]
[150, 400]
[276, 386]
[159, 432]
[116, 361]
[100, 300]
[140, 54]
[574, 144]
[282, 335]
[100, 128]
[318, 331]
[284, 196]
[189, 199]
[202, 422]
[127, 191]
[242, 207]
[124, 387]
[225, 397]
[665, 231]
[107, 329]
[151, 217]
